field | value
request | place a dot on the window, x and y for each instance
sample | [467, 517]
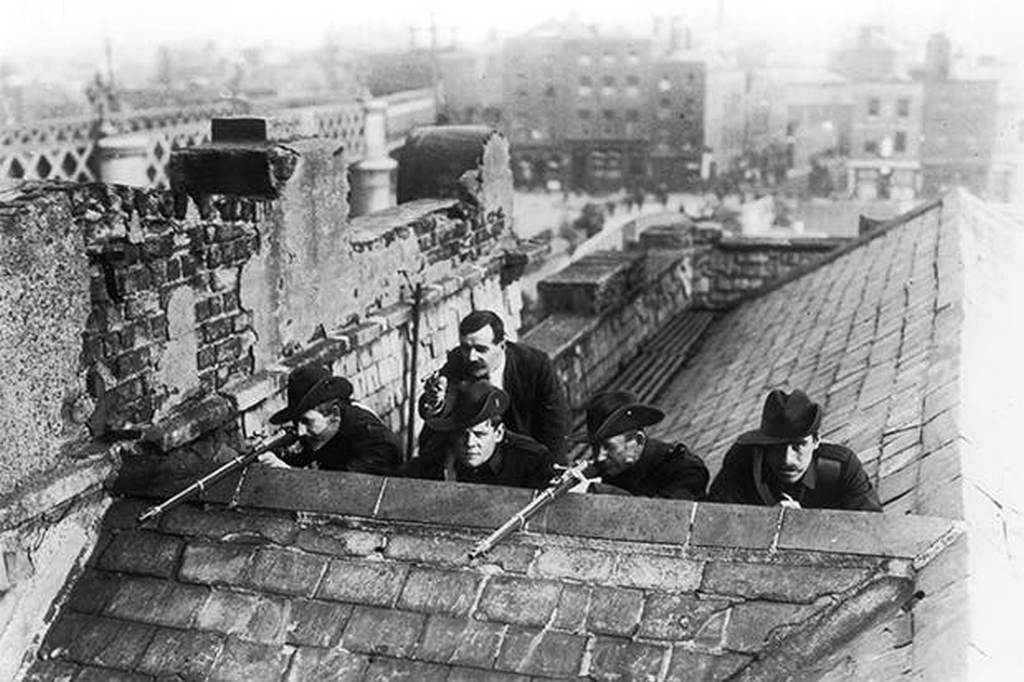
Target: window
[584, 114]
[632, 115]
[899, 143]
[870, 147]
[664, 85]
[608, 58]
[549, 91]
[903, 107]
[609, 81]
[633, 80]
[609, 114]
[632, 58]
[874, 106]
[584, 89]
[584, 60]
[609, 86]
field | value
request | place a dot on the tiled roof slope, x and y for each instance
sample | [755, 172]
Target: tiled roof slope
[334, 576]
[873, 334]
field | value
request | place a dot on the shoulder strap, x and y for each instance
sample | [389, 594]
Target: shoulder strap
[760, 485]
[828, 470]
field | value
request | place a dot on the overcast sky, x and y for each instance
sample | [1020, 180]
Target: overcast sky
[39, 27]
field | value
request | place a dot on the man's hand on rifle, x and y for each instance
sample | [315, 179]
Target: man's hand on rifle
[272, 460]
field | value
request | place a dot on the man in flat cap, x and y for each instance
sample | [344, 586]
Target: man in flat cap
[473, 445]
[786, 463]
[335, 432]
[537, 406]
[629, 460]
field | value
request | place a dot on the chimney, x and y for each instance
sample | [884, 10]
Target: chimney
[675, 38]
[936, 61]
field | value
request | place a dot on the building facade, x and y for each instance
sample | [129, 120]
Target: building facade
[959, 125]
[885, 139]
[601, 112]
[676, 102]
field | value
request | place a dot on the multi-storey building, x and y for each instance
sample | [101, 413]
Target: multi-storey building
[607, 116]
[676, 105]
[885, 118]
[959, 125]
[806, 109]
[1006, 176]
[885, 139]
[599, 111]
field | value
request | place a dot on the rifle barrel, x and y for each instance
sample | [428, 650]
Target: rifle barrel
[279, 440]
[568, 479]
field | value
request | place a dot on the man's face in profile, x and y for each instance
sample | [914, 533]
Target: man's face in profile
[617, 453]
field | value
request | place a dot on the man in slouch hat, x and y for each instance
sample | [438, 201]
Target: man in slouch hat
[473, 445]
[335, 432]
[786, 463]
[630, 461]
[537, 406]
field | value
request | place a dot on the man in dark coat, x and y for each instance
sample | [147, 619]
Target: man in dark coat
[631, 461]
[473, 445]
[537, 403]
[785, 463]
[335, 433]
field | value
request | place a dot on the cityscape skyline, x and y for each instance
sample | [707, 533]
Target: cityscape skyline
[40, 35]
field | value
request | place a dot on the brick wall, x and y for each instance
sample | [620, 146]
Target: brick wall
[175, 313]
[729, 268]
[588, 349]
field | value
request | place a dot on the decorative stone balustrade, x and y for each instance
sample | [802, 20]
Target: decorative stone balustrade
[66, 148]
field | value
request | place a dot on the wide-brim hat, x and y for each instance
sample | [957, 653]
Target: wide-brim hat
[786, 418]
[474, 402]
[609, 414]
[309, 386]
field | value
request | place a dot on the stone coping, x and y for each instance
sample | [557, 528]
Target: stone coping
[788, 242]
[369, 227]
[465, 506]
[560, 331]
[56, 487]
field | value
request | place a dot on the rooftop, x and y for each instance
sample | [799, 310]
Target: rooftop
[876, 335]
[298, 582]
[902, 335]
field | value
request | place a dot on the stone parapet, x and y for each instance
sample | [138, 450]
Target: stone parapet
[372, 575]
[729, 269]
[589, 350]
[593, 284]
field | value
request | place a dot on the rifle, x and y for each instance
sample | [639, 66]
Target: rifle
[561, 485]
[281, 439]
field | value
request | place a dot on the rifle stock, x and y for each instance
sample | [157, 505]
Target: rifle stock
[282, 439]
[566, 480]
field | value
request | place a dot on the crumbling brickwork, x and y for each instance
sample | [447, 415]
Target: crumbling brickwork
[728, 269]
[165, 316]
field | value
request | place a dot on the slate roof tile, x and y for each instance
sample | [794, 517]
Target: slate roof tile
[872, 334]
[327, 665]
